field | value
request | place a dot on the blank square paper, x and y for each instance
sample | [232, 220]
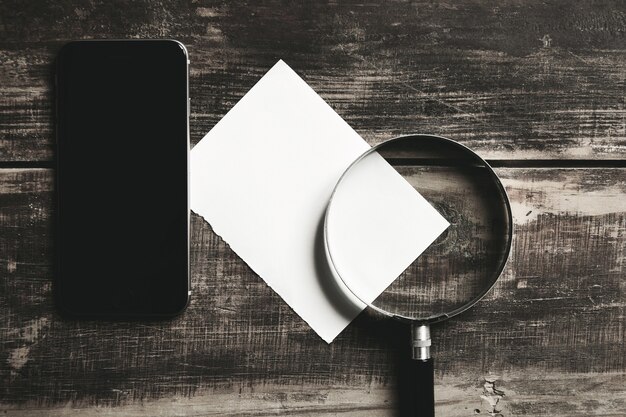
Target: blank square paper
[262, 178]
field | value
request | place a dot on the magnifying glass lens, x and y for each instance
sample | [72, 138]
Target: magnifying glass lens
[461, 265]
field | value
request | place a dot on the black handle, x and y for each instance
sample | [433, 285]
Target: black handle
[425, 388]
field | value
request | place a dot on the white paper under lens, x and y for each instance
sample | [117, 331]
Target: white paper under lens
[378, 224]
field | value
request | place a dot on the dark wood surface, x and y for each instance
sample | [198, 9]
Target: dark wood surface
[514, 80]
[535, 86]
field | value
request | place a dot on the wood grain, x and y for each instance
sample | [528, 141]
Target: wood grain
[550, 334]
[514, 80]
[511, 79]
[557, 395]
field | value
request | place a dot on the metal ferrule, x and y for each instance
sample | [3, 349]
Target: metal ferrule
[420, 341]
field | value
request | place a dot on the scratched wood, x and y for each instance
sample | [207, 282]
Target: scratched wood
[514, 80]
[548, 340]
[511, 79]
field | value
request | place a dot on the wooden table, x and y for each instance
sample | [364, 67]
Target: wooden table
[538, 88]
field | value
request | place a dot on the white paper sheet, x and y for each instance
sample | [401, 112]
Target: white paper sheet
[262, 178]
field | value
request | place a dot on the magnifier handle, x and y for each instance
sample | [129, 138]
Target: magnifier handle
[425, 386]
[423, 371]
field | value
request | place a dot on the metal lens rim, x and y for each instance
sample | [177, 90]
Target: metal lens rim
[509, 218]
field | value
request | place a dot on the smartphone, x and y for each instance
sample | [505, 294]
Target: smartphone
[122, 178]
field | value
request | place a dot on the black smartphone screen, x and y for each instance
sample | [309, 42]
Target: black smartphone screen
[122, 169]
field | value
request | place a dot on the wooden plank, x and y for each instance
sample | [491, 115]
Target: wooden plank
[513, 80]
[550, 334]
[557, 395]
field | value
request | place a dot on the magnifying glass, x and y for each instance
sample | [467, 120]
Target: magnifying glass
[456, 270]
